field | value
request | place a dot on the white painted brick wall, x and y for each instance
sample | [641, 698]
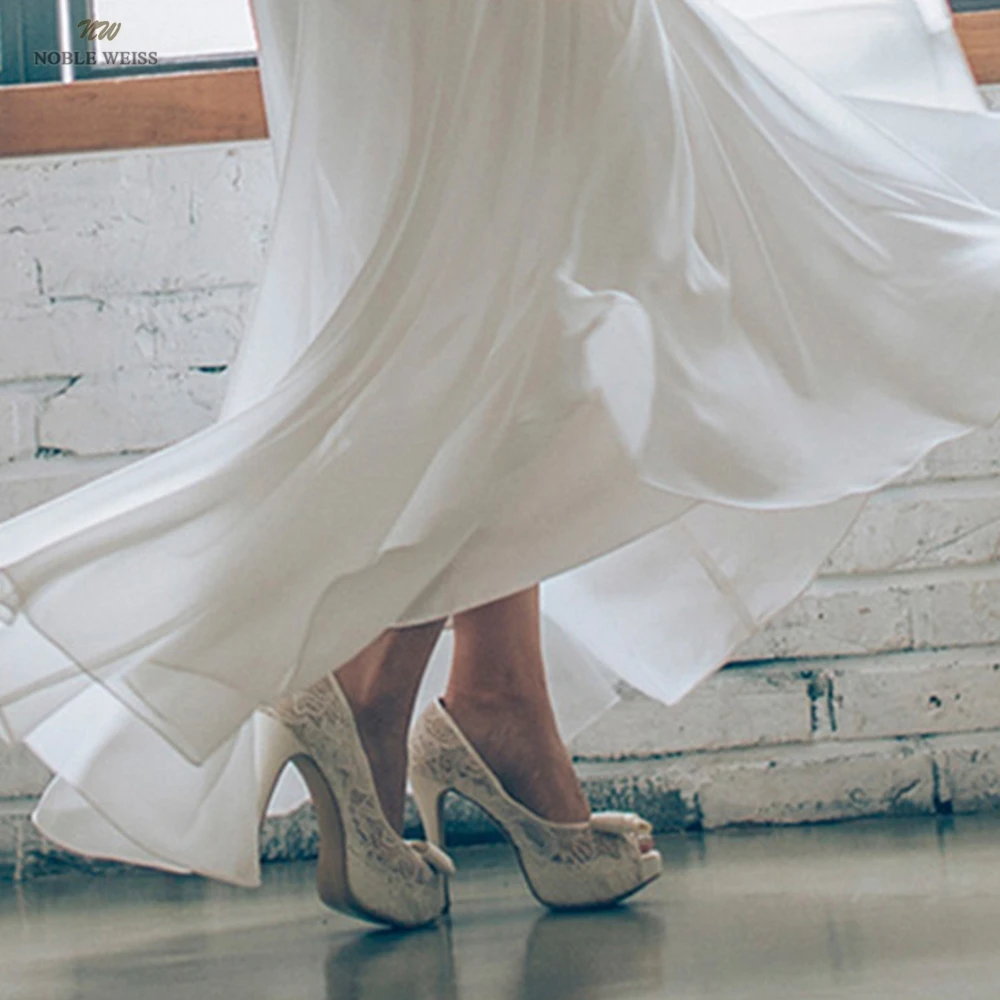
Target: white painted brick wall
[135, 410]
[822, 700]
[125, 283]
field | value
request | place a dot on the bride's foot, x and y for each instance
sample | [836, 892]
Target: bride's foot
[568, 863]
[498, 697]
[519, 741]
[365, 868]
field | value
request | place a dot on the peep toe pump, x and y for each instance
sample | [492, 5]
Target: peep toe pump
[566, 865]
[365, 867]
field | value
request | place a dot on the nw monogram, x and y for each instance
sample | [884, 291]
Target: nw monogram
[99, 30]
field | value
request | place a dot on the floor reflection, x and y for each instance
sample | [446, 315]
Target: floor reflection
[418, 965]
[585, 956]
[572, 956]
[856, 912]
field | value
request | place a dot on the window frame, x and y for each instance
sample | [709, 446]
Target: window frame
[24, 28]
[226, 105]
[80, 9]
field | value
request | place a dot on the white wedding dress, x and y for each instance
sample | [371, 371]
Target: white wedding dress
[636, 297]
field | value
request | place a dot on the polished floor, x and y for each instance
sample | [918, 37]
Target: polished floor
[879, 911]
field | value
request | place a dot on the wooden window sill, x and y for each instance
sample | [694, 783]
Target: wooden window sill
[980, 34]
[227, 105]
[132, 112]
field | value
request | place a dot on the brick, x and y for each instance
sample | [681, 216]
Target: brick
[176, 219]
[90, 336]
[947, 691]
[968, 772]
[958, 610]
[746, 706]
[927, 526]
[851, 618]
[848, 616]
[130, 411]
[815, 784]
[193, 330]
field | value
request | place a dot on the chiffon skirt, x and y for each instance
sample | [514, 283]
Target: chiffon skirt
[638, 298]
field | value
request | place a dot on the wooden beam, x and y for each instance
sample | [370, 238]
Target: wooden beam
[979, 32]
[132, 112]
[227, 105]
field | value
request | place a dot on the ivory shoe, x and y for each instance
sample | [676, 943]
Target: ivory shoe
[566, 865]
[365, 867]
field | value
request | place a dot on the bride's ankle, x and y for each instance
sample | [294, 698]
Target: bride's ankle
[500, 701]
[519, 740]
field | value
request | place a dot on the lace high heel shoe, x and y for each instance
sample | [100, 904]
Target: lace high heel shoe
[365, 868]
[566, 865]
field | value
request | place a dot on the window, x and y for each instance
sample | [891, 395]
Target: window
[70, 40]
[179, 35]
[88, 75]
[173, 72]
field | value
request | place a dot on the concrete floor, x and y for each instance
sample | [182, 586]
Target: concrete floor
[876, 910]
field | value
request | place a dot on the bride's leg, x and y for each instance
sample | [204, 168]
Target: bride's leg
[381, 685]
[497, 693]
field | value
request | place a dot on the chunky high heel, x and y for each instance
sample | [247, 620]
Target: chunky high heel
[566, 865]
[365, 867]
